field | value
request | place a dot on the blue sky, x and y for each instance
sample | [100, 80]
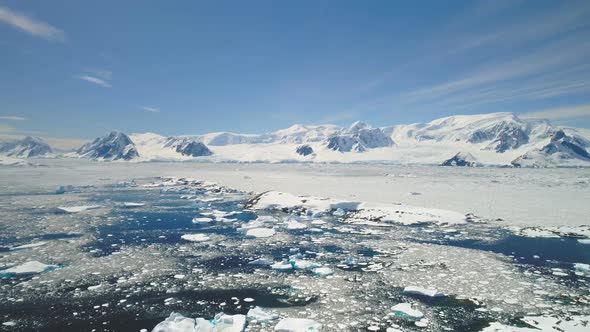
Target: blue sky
[79, 68]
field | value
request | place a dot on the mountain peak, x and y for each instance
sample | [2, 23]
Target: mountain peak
[358, 125]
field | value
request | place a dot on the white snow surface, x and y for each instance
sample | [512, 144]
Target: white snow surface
[403, 214]
[523, 197]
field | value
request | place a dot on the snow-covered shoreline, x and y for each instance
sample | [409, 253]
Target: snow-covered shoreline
[524, 197]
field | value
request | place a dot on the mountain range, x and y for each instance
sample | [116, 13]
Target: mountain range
[499, 139]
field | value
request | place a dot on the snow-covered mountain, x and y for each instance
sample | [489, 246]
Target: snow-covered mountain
[188, 147]
[114, 146]
[499, 131]
[562, 150]
[488, 139]
[25, 148]
[359, 137]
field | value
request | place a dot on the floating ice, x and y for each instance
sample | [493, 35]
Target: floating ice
[322, 271]
[260, 261]
[261, 315]
[195, 237]
[294, 224]
[300, 264]
[229, 323]
[582, 267]
[202, 220]
[403, 214]
[30, 245]
[260, 232]
[178, 323]
[413, 290]
[405, 310]
[75, 209]
[132, 204]
[297, 325]
[29, 267]
[283, 266]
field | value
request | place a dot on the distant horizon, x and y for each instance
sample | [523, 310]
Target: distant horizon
[253, 67]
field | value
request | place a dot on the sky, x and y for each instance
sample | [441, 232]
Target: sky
[77, 69]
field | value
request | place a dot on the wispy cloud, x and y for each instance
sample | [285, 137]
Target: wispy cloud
[104, 74]
[569, 112]
[150, 109]
[12, 118]
[95, 80]
[30, 25]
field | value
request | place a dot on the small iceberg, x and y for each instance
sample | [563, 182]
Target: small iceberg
[132, 204]
[260, 232]
[195, 237]
[282, 266]
[297, 325]
[405, 310]
[30, 245]
[294, 225]
[413, 290]
[202, 220]
[322, 271]
[30, 267]
[75, 209]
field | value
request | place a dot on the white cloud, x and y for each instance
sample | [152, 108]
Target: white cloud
[150, 109]
[94, 80]
[567, 112]
[31, 26]
[12, 118]
[101, 73]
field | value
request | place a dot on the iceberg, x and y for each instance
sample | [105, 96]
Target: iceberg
[405, 310]
[413, 290]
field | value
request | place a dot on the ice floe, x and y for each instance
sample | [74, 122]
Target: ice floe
[405, 310]
[261, 315]
[132, 204]
[30, 267]
[195, 237]
[260, 232]
[297, 325]
[429, 292]
[75, 209]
